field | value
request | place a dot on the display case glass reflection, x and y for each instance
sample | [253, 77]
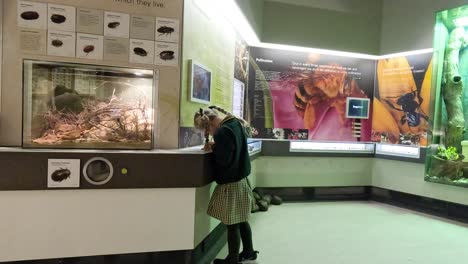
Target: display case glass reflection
[447, 156]
[87, 106]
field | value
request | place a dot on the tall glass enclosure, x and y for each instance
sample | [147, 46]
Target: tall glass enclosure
[87, 106]
[447, 156]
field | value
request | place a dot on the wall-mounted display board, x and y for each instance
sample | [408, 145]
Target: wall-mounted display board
[101, 33]
[298, 95]
[447, 154]
[218, 50]
[401, 101]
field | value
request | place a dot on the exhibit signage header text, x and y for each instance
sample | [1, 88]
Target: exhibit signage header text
[146, 3]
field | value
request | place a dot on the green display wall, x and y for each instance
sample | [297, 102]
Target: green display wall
[210, 41]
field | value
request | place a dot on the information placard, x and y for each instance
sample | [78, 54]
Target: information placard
[89, 46]
[32, 15]
[116, 49]
[63, 173]
[33, 41]
[116, 24]
[90, 21]
[167, 30]
[142, 27]
[61, 43]
[166, 54]
[141, 51]
[61, 17]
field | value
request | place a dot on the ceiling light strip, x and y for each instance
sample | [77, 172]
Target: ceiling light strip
[237, 19]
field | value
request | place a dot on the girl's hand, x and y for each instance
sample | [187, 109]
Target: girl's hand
[208, 146]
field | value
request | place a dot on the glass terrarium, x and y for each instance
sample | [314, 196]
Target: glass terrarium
[87, 106]
[447, 156]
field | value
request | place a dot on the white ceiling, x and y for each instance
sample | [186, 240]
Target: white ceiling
[336, 5]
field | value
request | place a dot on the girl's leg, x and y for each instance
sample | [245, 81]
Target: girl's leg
[233, 243]
[248, 252]
[246, 235]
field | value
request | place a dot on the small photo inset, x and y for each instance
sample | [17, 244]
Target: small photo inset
[200, 91]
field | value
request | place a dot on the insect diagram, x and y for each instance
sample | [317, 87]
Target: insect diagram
[165, 30]
[29, 15]
[113, 24]
[140, 51]
[88, 49]
[57, 43]
[410, 105]
[167, 55]
[58, 19]
[60, 175]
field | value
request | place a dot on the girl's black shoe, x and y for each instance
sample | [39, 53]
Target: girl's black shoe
[248, 256]
[221, 261]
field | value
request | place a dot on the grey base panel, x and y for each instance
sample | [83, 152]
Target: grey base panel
[204, 253]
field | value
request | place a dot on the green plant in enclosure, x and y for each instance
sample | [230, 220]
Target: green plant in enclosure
[449, 153]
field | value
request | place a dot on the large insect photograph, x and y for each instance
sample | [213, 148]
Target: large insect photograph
[401, 103]
[291, 90]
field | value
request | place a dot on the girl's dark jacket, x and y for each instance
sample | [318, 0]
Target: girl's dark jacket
[231, 154]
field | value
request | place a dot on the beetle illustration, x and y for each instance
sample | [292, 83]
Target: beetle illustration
[167, 55]
[410, 105]
[58, 19]
[113, 24]
[140, 51]
[87, 49]
[30, 15]
[165, 30]
[61, 175]
[57, 43]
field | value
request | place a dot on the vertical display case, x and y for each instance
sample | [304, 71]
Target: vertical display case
[447, 156]
[87, 106]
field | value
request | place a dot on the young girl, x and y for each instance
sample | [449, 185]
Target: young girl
[232, 197]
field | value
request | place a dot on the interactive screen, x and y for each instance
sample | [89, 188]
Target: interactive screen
[357, 107]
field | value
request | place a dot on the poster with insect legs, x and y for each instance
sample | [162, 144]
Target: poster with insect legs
[32, 15]
[63, 173]
[401, 100]
[61, 43]
[89, 46]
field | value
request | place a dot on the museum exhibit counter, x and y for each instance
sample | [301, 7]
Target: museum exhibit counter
[170, 198]
[156, 200]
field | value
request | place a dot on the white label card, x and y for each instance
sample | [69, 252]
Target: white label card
[32, 15]
[61, 43]
[116, 25]
[89, 46]
[167, 30]
[141, 51]
[61, 18]
[166, 54]
[63, 173]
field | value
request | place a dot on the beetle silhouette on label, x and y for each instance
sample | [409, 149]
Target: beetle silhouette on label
[60, 175]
